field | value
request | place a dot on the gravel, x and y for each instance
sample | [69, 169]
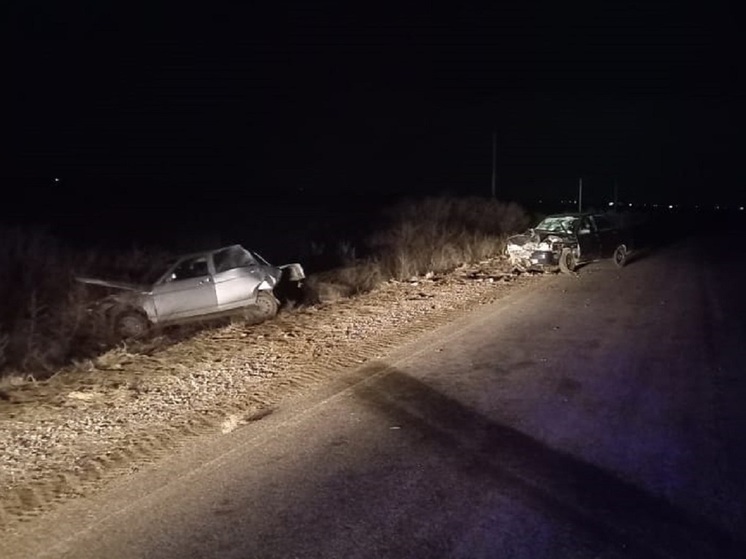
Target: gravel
[68, 435]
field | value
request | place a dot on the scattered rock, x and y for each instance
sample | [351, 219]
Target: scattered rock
[85, 396]
[215, 373]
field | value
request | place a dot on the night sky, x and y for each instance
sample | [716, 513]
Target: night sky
[165, 108]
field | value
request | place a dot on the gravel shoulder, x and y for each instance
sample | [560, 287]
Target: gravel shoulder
[69, 435]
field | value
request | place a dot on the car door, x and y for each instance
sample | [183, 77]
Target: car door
[187, 290]
[608, 234]
[590, 245]
[237, 276]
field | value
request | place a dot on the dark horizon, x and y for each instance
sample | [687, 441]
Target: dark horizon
[179, 111]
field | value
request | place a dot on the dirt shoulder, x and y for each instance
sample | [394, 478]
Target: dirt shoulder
[67, 436]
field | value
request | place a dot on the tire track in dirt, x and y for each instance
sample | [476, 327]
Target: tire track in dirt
[297, 371]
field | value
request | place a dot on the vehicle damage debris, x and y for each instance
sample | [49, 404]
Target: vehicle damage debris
[210, 284]
[566, 241]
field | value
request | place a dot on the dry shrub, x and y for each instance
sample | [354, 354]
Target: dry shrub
[43, 318]
[3, 345]
[320, 255]
[361, 277]
[434, 234]
[342, 282]
[36, 321]
[438, 234]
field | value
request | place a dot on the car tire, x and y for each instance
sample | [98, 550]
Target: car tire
[130, 325]
[620, 256]
[265, 307]
[567, 262]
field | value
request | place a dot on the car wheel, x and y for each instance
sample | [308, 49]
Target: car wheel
[265, 307]
[131, 325]
[620, 256]
[567, 261]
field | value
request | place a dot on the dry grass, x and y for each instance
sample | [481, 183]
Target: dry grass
[439, 234]
[435, 234]
[38, 310]
[43, 319]
[342, 282]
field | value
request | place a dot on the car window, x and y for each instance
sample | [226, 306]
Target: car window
[157, 272]
[191, 268]
[602, 223]
[587, 224]
[232, 257]
[561, 224]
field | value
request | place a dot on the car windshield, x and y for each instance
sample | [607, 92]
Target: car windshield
[155, 272]
[561, 224]
[233, 257]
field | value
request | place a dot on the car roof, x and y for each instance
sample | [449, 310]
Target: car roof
[209, 251]
[573, 214]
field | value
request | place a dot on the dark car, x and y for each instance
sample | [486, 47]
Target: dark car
[566, 241]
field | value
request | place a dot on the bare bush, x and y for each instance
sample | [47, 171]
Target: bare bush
[326, 255]
[440, 233]
[42, 308]
[342, 282]
[34, 278]
[3, 344]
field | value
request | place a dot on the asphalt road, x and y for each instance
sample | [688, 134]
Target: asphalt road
[593, 416]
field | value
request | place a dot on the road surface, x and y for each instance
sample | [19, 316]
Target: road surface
[593, 416]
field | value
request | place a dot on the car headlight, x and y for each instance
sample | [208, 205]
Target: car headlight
[265, 286]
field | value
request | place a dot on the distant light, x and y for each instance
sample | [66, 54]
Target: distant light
[630, 204]
[670, 206]
[611, 203]
[741, 208]
[56, 179]
[717, 207]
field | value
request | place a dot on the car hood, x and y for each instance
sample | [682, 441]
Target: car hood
[293, 272]
[124, 286]
[536, 236]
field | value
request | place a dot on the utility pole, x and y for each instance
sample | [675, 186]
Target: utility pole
[494, 162]
[580, 195]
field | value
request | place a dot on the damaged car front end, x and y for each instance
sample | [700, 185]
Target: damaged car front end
[541, 248]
